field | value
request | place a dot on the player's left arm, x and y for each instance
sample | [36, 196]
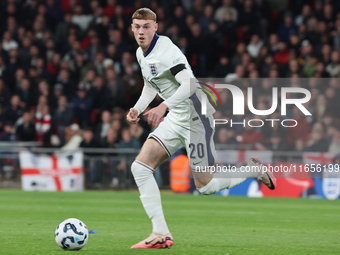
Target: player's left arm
[184, 91]
[186, 88]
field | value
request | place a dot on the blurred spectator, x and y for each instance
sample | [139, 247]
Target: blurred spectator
[250, 135]
[43, 124]
[207, 17]
[254, 46]
[222, 68]
[93, 166]
[133, 84]
[306, 51]
[282, 54]
[111, 139]
[299, 145]
[89, 141]
[99, 64]
[333, 67]
[335, 140]
[89, 79]
[103, 28]
[306, 13]
[287, 27]
[42, 72]
[225, 136]
[63, 117]
[62, 29]
[198, 50]
[273, 127]
[4, 94]
[321, 107]
[44, 89]
[57, 92]
[75, 50]
[82, 66]
[225, 8]
[8, 43]
[25, 93]
[103, 126]
[93, 47]
[82, 106]
[24, 51]
[274, 143]
[174, 35]
[2, 67]
[14, 111]
[127, 60]
[273, 43]
[249, 18]
[183, 45]
[229, 28]
[301, 131]
[26, 131]
[100, 95]
[138, 132]
[237, 58]
[310, 67]
[8, 135]
[127, 142]
[318, 142]
[68, 85]
[116, 126]
[53, 10]
[109, 10]
[116, 88]
[80, 19]
[214, 38]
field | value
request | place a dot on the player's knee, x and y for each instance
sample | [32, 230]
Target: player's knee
[140, 170]
[135, 169]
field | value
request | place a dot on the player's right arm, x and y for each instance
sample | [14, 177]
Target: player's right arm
[148, 94]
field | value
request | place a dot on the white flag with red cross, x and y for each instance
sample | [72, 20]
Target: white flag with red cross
[62, 172]
[320, 158]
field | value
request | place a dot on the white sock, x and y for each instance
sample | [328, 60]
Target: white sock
[150, 195]
[219, 183]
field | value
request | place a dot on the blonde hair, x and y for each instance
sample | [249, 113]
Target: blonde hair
[144, 13]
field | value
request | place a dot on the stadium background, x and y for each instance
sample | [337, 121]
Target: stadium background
[69, 74]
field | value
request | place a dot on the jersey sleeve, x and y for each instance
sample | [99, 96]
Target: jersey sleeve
[173, 59]
[185, 90]
[175, 62]
[148, 94]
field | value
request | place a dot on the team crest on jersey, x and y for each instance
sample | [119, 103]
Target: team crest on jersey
[153, 69]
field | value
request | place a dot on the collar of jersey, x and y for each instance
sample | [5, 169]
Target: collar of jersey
[152, 44]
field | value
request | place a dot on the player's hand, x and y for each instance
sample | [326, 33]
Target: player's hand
[156, 114]
[132, 116]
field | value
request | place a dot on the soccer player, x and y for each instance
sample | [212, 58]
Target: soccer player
[167, 72]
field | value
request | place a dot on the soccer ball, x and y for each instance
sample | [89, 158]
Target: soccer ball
[71, 234]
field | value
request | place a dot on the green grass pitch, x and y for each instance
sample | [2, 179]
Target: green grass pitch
[199, 224]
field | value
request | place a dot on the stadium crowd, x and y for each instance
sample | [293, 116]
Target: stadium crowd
[69, 61]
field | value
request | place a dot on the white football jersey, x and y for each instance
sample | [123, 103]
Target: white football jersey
[161, 56]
